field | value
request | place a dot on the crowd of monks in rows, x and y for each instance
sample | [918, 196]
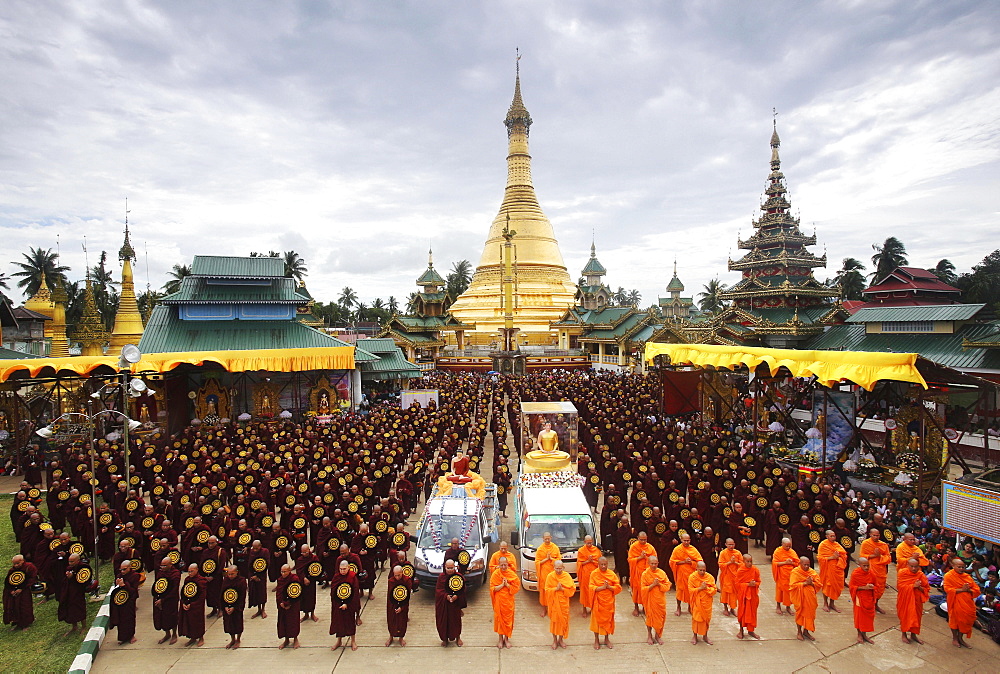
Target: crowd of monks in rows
[305, 506]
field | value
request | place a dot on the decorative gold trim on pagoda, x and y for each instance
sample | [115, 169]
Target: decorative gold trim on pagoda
[41, 302]
[128, 321]
[90, 331]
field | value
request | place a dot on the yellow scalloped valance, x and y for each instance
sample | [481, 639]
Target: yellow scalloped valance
[271, 360]
[863, 368]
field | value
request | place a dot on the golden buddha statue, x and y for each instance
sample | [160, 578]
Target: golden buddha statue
[546, 456]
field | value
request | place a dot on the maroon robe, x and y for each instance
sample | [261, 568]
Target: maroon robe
[73, 596]
[344, 611]
[397, 612]
[123, 606]
[166, 605]
[448, 614]
[232, 622]
[191, 622]
[257, 580]
[307, 602]
[18, 610]
[288, 607]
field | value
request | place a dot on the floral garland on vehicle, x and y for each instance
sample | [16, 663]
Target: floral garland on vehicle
[467, 525]
[559, 479]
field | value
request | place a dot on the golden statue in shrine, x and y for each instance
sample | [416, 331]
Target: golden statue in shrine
[546, 456]
[212, 403]
[265, 401]
[323, 397]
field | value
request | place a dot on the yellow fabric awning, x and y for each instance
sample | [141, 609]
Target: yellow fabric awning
[271, 360]
[863, 368]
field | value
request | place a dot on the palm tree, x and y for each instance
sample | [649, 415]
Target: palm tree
[377, 303]
[147, 301]
[348, 298]
[619, 297]
[711, 300]
[945, 270]
[392, 304]
[850, 280]
[459, 279]
[295, 266]
[633, 298]
[178, 272]
[3, 281]
[411, 303]
[361, 312]
[105, 293]
[888, 256]
[38, 263]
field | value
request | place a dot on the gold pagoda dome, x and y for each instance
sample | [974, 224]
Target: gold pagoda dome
[41, 302]
[543, 287]
[128, 321]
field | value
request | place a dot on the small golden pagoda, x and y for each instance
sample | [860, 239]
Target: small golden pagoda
[90, 331]
[42, 303]
[543, 287]
[128, 321]
[59, 346]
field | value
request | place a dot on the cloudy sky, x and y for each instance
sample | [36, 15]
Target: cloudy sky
[359, 133]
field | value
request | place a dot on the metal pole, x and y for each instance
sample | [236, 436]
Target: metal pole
[826, 425]
[93, 490]
[125, 395]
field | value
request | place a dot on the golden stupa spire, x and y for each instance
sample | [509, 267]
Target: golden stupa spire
[128, 321]
[544, 288]
[90, 331]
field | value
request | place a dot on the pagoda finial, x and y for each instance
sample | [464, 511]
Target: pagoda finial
[775, 144]
[126, 252]
[517, 113]
[430, 258]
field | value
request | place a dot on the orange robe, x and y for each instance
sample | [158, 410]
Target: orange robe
[748, 597]
[636, 565]
[730, 562]
[878, 556]
[682, 571]
[903, 553]
[498, 555]
[602, 617]
[831, 573]
[804, 596]
[864, 600]
[558, 589]
[910, 600]
[543, 569]
[701, 601]
[781, 574]
[586, 564]
[503, 600]
[654, 601]
[961, 605]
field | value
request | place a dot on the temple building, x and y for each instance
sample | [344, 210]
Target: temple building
[910, 286]
[544, 289]
[591, 292]
[778, 302]
[128, 321]
[675, 307]
[423, 332]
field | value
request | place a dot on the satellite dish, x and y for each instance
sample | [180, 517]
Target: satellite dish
[131, 353]
[137, 385]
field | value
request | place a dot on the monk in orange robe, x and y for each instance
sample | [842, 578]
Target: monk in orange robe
[863, 587]
[701, 588]
[503, 553]
[748, 597]
[638, 561]
[586, 562]
[783, 561]
[832, 563]
[878, 557]
[803, 584]
[962, 592]
[504, 584]
[682, 564]
[913, 590]
[604, 586]
[730, 561]
[559, 587]
[545, 558]
[655, 585]
[908, 548]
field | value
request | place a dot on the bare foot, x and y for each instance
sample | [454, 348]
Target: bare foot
[635, 612]
[282, 645]
[388, 642]
[315, 619]
[164, 640]
[860, 640]
[809, 636]
[658, 640]
[444, 644]
[800, 637]
[868, 641]
[835, 609]
[754, 635]
[236, 645]
[906, 639]
[826, 609]
[173, 640]
[694, 641]
[778, 611]
[458, 642]
[677, 612]
[263, 614]
[295, 644]
[554, 646]
[597, 645]
[607, 642]
[649, 641]
[879, 610]
[740, 635]
[707, 640]
[201, 642]
[915, 639]
[955, 643]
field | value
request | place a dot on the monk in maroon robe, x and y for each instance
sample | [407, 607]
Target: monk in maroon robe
[257, 580]
[234, 599]
[304, 570]
[166, 593]
[397, 605]
[449, 601]
[192, 616]
[73, 595]
[345, 595]
[287, 596]
[123, 603]
[18, 609]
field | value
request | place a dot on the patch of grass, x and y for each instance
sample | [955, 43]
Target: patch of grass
[42, 647]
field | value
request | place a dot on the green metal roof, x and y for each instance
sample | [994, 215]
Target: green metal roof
[618, 331]
[938, 312]
[807, 315]
[942, 348]
[221, 266]
[433, 297]
[430, 277]
[594, 267]
[165, 333]
[197, 290]
[675, 284]
[391, 363]
[11, 354]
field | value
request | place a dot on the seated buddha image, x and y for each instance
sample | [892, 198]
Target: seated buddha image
[323, 407]
[546, 456]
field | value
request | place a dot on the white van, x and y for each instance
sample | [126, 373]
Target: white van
[474, 522]
[563, 512]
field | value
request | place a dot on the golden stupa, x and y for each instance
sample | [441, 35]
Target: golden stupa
[543, 288]
[128, 321]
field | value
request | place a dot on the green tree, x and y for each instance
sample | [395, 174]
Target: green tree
[38, 262]
[945, 270]
[178, 273]
[270, 253]
[889, 255]
[392, 304]
[74, 302]
[411, 303]
[620, 297]
[147, 301]
[633, 297]
[3, 281]
[711, 298]
[458, 280]
[982, 285]
[850, 280]
[295, 266]
[105, 292]
[348, 298]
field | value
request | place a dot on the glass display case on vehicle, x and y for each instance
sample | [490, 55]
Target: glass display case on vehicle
[548, 428]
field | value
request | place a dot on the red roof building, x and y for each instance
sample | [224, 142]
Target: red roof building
[910, 286]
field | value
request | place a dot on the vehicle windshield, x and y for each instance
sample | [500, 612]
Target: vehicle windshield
[568, 531]
[438, 530]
